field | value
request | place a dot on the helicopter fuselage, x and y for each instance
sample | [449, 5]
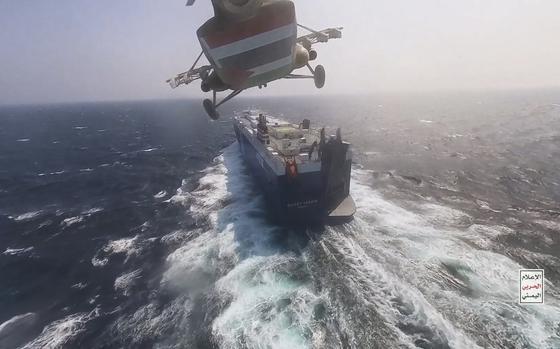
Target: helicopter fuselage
[253, 51]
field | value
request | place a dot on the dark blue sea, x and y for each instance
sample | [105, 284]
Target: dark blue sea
[138, 225]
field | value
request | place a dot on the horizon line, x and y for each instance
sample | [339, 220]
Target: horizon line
[307, 95]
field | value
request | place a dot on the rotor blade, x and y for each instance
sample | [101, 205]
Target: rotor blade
[190, 2]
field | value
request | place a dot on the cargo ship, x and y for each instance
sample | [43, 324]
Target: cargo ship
[305, 175]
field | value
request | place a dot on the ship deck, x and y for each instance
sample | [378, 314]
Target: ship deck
[285, 140]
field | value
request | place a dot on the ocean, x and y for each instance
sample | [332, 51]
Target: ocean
[137, 225]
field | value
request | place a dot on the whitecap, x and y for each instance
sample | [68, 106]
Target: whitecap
[17, 251]
[179, 236]
[552, 225]
[92, 211]
[160, 195]
[23, 140]
[27, 216]
[60, 333]
[126, 282]
[127, 246]
[79, 286]
[130, 247]
[99, 262]
[71, 221]
[151, 321]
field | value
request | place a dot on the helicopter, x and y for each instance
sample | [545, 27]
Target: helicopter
[249, 43]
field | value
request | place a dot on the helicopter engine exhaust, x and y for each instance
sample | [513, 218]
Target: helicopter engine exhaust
[237, 9]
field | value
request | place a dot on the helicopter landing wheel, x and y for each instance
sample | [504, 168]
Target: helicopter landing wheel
[210, 109]
[204, 87]
[312, 55]
[319, 76]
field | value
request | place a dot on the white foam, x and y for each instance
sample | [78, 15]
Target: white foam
[17, 251]
[51, 173]
[92, 211]
[552, 225]
[130, 247]
[430, 260]
[61, 332]
[151, 321]
[99, 262]
[238, 251]
[71, 221]
[400, 250]
[27, 216]
[160, 195]
[122, 246]
[176, 237]
[23, 140]
[79, 286]
[125, 282]
[259, 292]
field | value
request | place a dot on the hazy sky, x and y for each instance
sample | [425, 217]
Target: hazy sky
[74, 50]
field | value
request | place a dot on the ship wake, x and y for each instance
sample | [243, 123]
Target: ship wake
[399, 275]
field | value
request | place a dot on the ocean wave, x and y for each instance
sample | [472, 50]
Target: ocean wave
[27, 216]
[92, 211]
[71, 221]
[17, 251]
[151, 321]
[14, 330]
[421, 272]
[129, 247]
[126, 282]
[160, 195]
[421, 276]
[61, 332]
